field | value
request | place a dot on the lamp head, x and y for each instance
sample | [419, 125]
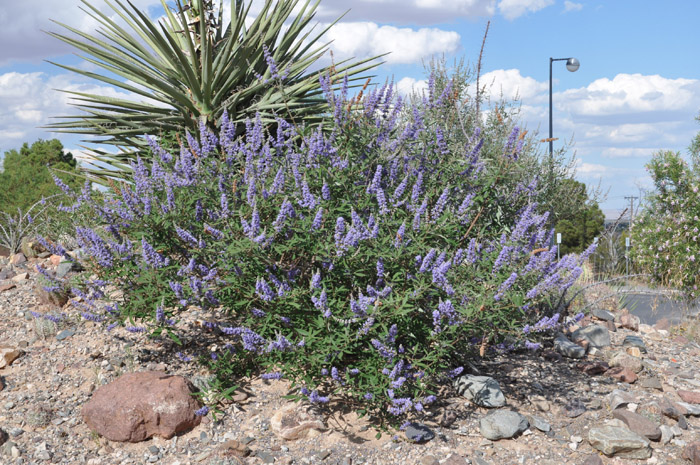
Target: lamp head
[572, 64]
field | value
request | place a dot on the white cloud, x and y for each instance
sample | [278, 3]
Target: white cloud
[407, 86]
[23, 25]
[572, 6]
[512, 9]
[629, 152]
[365, 39]
[644, 97]
[29, 100]
[510, 84]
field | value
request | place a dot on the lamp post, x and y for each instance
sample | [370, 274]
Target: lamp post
[572, 64]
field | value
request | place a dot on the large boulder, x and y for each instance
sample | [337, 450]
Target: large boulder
[138, 406]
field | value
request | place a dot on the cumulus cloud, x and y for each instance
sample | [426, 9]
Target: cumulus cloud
[650, 97]
[23, 23]
[572, 6]
[512, 9]
[407, 86]
[510, 84]
[29, 100]
[365, 39]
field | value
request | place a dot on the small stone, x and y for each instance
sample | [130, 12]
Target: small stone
[634, 341]
[567, 348]
[65, 334]
[418, 433]
[664, 324]
[324, 454]
[670, 409]
[17, 259]
[593, 460]
[596, 336]
[691, 397]
[634, 351]
[594, 367]
[682, 422]
[622, 359]
[239, 396]
[622, 374]
[688, 409]
[539, 423]
[666, 434]
[154, 450]
[540, 403]
[233, 447]
[502, 424]
[293, 422]
[629, 321]
[3, 437]
[638, 424]
[482, 390]
[8, 355]
[619, 442]
[651, 383]
[602, 314]
[18, 278]
[266, 457]
[619, 398]
[692, 452]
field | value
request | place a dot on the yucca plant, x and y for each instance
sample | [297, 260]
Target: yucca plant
[191, 68]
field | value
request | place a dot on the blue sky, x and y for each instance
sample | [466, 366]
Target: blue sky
[637, 91]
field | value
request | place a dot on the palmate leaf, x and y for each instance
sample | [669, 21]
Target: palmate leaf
[189, 68]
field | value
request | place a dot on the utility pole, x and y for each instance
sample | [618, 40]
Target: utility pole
[631, 198]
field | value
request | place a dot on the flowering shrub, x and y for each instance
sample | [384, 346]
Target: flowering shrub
[350, 260]
[665, 236]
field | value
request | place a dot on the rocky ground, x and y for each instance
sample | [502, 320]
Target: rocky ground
[633, 399]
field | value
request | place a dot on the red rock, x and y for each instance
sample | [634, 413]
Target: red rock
[680, 340]
[622, 374]
[592, 368]
[692, 452]
[57, 298]
[7, 287]
[629, 321]
[638, 424]
[137, 406]
[55, 260]
[692, 397]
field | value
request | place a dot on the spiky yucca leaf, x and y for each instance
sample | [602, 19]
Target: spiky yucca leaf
[190, 68]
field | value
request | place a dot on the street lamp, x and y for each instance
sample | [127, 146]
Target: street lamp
[572, 64]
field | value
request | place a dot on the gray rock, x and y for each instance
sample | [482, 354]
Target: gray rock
[574, 408]
[419, 433]
[635, 341]
[502, 424]
[568, 348]
[482, 390]
[651, 383]
[596, 336]
[619, 398]
[625, 360]
[539, 423]
[65, 334]
[666, 434]
[266, 457]
[692, 409]
[603, 314]
[619, 442]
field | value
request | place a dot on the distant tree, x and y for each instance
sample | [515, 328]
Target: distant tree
[26, 178]
[582, 223]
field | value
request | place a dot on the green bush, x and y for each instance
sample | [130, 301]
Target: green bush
[360, 263]
[665, 235]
